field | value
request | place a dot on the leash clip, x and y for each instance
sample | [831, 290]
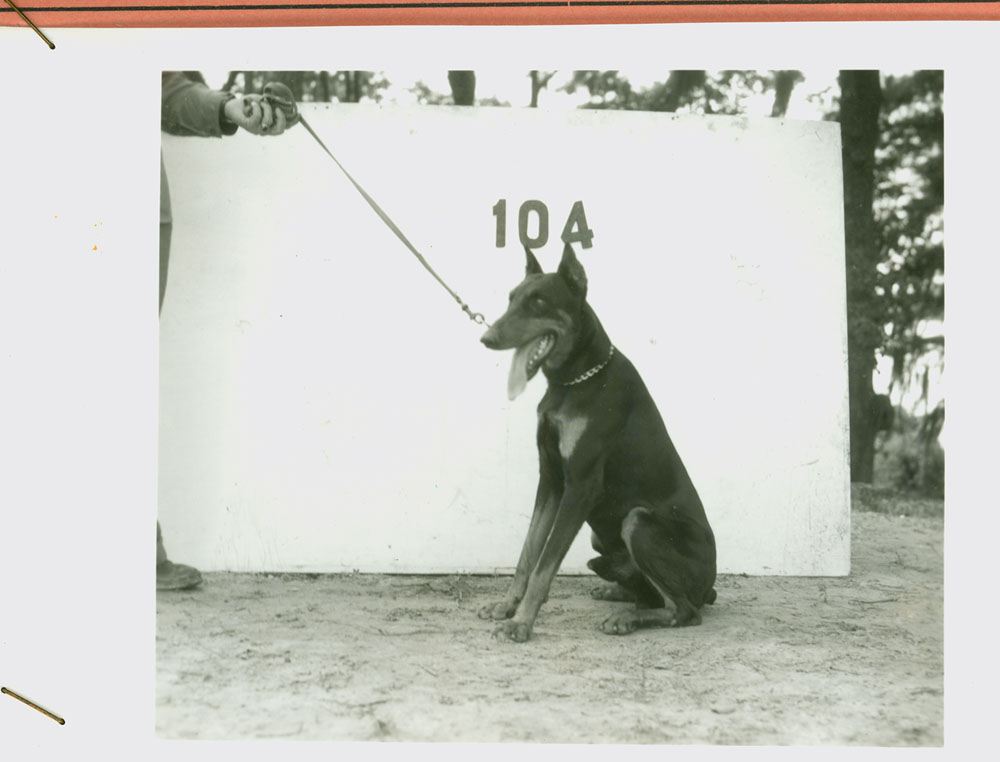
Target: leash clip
[475, 317]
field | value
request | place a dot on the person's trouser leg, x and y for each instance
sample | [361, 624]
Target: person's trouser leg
[161, 553]
[166, 225]
[165, 228]
[169, 576]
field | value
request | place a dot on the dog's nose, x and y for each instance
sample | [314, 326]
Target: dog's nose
[490, 339]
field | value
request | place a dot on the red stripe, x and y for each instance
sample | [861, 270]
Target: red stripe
[710, 11]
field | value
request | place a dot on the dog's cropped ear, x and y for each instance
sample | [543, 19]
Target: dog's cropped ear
[572, 271]
[532, 267]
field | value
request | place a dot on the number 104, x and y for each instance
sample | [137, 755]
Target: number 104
[575, 230]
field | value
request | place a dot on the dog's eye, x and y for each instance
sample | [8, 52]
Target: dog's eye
[538, 304]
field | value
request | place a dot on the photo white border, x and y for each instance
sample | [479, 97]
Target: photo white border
[80, 143]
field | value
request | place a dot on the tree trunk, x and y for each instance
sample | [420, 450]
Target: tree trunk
[535, 88]
[539, 82]
[678, 86]
[351, 94]
[860, 100]
[463, 87]
[784, 83]
[230, 81]
[250, 83]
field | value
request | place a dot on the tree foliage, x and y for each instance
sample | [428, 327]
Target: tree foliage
[909, 188]
[317, 86]
[908, 207]
[691, 91]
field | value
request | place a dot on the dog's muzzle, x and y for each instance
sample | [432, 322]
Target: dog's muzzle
[491, 339]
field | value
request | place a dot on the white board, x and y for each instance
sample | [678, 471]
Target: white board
[325, 405]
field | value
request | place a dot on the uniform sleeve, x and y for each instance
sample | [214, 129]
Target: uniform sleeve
[192, 108]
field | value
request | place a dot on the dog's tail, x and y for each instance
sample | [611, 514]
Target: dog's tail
[710, 597]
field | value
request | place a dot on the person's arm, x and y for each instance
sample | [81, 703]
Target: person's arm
[190, 107]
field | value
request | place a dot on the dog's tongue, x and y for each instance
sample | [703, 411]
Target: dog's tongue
[518, 377]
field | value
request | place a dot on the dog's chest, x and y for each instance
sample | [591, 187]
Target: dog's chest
[563, 429]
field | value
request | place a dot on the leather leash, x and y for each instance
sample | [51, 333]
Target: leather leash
[280, 96]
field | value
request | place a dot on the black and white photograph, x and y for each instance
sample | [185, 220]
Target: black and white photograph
[551, 405]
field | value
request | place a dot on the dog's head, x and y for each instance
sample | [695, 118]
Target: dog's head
[542, 321]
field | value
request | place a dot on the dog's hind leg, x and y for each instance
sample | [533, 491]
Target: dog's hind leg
[677, 558]
[624, 581]
[618, 570]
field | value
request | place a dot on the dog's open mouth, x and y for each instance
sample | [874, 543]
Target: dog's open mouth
[527, 360]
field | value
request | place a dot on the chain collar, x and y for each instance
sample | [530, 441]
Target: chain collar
[592, 372]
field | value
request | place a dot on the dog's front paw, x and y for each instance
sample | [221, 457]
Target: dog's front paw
[503, 610]
[512, 629]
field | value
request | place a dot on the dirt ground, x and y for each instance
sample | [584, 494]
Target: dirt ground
[828, 661]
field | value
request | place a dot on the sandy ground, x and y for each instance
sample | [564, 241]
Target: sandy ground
[829, 661]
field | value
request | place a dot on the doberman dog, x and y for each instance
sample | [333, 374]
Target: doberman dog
[605, 458]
